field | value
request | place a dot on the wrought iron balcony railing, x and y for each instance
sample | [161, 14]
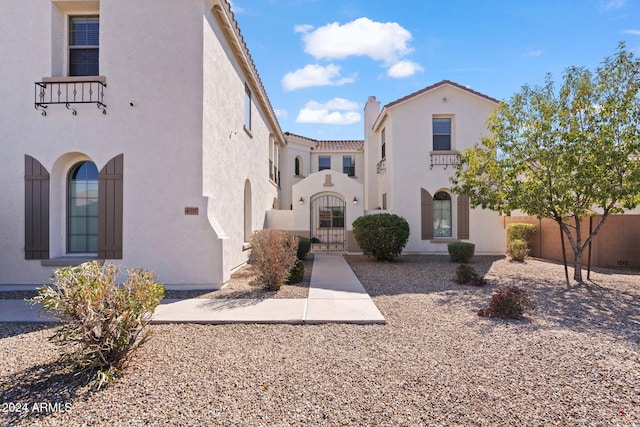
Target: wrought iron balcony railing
[382, 166]
[444, 159]
[68, 92]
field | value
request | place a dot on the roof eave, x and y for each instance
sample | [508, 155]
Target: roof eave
[224, 15]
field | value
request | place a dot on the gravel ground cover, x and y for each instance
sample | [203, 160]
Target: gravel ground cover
[574, 361]
[243, 285]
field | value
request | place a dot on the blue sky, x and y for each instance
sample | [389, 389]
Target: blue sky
[320, 60]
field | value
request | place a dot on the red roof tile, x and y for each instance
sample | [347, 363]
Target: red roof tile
[331, 145]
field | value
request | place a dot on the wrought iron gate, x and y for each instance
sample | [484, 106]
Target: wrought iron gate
[327, 223]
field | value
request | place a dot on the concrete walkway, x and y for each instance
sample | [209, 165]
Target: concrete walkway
[335, 296]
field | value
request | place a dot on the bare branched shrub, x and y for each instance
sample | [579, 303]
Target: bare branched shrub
[274, 252]
[467, 275]
[101, 321]
[509, 302]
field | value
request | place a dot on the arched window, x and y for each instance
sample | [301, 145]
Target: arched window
[297, 166]
[82, 208]
[247, 211]
[442, 214]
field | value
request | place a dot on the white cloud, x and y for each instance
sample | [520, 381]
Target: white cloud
[613, 4]
[334, 104]
[632, 32]
[314, 75]
[281, 114]
[404, 69]
[235, 8]
[338, 111]
[532, 53]
[304, 28]
[386, 42]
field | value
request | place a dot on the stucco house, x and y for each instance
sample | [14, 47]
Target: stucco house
[402, 166]
[140, 133]
[152, 142]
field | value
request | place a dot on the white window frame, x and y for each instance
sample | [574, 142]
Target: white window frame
[71, 47]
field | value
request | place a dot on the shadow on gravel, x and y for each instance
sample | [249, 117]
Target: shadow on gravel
[41, 391]
[590, 306]
[243, 285]
[417, 274]
[8, 330]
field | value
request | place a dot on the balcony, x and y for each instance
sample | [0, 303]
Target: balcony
[69, 91]
[382, 166]
[444, 158]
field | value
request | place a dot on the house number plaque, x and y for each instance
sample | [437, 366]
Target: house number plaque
[191, 211]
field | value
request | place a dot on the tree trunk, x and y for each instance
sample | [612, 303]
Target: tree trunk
[577, 266]
[577, 251]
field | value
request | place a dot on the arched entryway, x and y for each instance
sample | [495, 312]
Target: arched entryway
[327, 223]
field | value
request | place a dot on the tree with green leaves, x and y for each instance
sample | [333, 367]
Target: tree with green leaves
[563, 154]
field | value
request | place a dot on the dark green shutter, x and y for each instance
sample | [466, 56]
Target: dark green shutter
[426, 214]
[110, 205]
[36, 209]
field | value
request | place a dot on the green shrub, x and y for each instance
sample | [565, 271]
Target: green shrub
[304, 246]
[297, 273]
[274, 252]
[520, 231]
[518, 250]
[461, 251]
[101, 321]
[509, 302]
[467, 275]
[381, 235]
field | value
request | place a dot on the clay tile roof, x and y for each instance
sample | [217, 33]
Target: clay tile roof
[352, 145]
[434, 86]
[331, 145]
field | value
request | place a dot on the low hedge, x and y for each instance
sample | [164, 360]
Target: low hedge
[461, 251]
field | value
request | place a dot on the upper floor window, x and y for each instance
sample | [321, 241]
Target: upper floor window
[383, 148]
[324, 162]
[441, 133]
[84, 41]
[247, 107]
[297, 166]
[349, 165]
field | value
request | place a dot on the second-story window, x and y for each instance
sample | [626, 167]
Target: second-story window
[247, 107]
[297, 169]
[441, 134]
[324, 162]
[84, 41]
[383, 149]
[349, 165]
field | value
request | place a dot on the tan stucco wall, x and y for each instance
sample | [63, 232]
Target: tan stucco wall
[615, 245]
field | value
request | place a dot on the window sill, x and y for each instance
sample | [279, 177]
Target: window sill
[101, 79]
[452, 152]
[444, 240]
[69, 261]
[246, 246]
[247, 131]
